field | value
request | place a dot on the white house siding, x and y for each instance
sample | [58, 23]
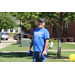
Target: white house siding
[14, 31]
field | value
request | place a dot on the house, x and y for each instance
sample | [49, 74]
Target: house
[68, 31]
[14, 30]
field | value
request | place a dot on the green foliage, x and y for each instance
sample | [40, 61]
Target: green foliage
[6, 21]
[55, 41]
[52, 18]
[27, 18]
[51, 40]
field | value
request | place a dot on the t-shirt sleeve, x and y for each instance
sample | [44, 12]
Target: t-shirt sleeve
[47, 35]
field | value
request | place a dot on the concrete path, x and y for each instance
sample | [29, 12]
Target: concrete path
[70, 42]
[2, 45]
[9, 40]
[26, 51]
[62, 50]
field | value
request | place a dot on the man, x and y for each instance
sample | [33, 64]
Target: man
[40, 42]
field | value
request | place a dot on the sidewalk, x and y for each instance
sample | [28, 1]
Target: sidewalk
[9, 40]
[2, 45]
[62, 50]
[5, 43]
[70, 42]
[26, 51]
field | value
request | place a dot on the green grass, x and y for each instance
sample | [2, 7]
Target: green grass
[17, 47]
[23, 56]
[52, 56]
[64, 46]
[15, 57]
[14, 47]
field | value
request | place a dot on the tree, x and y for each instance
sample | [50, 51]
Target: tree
[27, 18]
[6, 21]
[59, 38]
[31, 17]
[63, 16]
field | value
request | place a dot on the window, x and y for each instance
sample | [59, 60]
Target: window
[5, 30]
[54, 28]
[65, 26]
[11, 30]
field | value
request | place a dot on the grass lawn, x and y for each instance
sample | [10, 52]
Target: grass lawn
[52, 56]
[64, 46]
[23, 56]
[17, 47]
[15, 57]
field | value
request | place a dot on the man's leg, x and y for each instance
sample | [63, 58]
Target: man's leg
[35, 57]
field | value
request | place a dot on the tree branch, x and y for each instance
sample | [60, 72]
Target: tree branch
[65, 15]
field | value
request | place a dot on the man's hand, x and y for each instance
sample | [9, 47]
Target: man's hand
[28, 50]
[44, 53]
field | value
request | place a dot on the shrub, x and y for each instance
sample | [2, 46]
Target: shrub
[70, 39]
[63, 39]
[55, 41]
[51, 40]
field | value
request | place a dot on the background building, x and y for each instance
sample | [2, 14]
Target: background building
[13, 30]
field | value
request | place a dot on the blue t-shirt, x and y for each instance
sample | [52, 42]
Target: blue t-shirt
[40, 36]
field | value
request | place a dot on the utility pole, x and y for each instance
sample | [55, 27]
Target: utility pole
[19, 39]
[59, 38]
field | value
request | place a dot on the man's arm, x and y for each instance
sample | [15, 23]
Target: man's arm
[31, 44]
[46, 46]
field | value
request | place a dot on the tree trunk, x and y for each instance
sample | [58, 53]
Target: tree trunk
[59, 38]
[32, 29]
[20, 31]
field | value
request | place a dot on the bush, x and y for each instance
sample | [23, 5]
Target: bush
[70, 39]
[63, 39]
[51, 40]
[55, 41]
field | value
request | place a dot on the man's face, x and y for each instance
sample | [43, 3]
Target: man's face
[40, 23]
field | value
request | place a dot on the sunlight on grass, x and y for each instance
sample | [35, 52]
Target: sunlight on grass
[24, 57]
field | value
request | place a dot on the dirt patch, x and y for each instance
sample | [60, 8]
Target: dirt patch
[62, 58]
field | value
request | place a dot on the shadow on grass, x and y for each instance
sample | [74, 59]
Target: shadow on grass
[50, 55]
[15, 43]
[19, 45]
[15, 54]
